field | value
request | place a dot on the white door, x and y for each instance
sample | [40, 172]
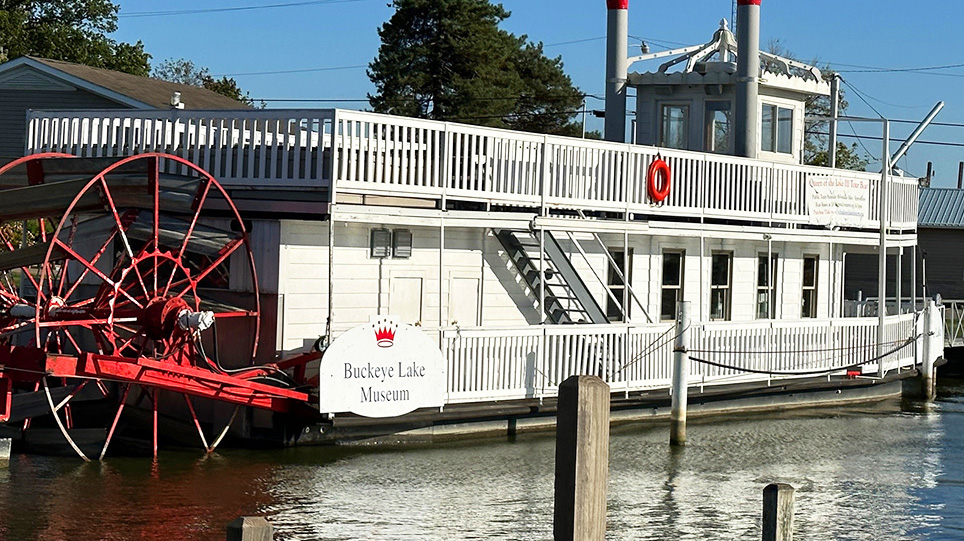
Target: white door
[464, 302]
[405, 299]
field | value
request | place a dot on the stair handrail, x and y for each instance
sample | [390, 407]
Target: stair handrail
[619, 272]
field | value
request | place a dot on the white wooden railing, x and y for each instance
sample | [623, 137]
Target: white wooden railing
[390, 155]
[953, 322]
[531, 362]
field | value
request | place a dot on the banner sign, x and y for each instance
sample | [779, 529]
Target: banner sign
[836, 201]
[382, 369]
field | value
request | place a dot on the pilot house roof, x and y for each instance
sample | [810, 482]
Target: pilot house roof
[714, 63]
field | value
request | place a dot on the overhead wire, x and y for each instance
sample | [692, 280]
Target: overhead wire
[200, 11]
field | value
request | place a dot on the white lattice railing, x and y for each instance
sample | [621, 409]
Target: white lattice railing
[367, 153]
[531, 362]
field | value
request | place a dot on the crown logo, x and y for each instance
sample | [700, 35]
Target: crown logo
[385, 333]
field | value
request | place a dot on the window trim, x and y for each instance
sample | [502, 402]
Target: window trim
[771, 287]
[812, 289]
[726, 288]
[616, 284]
[775, 128]
[662, 280]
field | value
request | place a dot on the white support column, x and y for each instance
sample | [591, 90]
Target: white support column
[900, 277]
[882, 259]
[834, 111]
[441, 280]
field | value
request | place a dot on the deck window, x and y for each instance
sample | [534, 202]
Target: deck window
[616, 285]
[776, 129]
[766, 291]
[672, 290]
[718, 122]
[674, 126]
[809, 302]
[720, 275]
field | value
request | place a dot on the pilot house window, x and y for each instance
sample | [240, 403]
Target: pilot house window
[674, 126]
[776, 134]
[718, 127]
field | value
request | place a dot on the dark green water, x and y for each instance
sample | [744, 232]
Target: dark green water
[889, 472]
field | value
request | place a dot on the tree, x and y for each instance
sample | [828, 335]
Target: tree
[815, 143]
[448, 60]
[71, 30]
[186, 72]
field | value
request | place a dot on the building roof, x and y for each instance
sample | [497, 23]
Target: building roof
[941, 207]
[714, 63]
[132, 90]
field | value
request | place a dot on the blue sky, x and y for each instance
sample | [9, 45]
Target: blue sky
[324, 45]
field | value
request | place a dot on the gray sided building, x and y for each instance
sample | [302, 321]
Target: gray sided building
[940, 234]
[940, 253]
[38, 83]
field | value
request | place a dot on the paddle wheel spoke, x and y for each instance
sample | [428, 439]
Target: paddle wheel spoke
[117, 416]
[223, 254]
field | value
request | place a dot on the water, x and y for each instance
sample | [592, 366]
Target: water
[885, 472]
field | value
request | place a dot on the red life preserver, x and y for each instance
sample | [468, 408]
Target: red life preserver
[658, 191]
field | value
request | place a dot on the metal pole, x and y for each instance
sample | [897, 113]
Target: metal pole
[747, 110]
[834, 111]
[916, 133]
[882, 259]
[681, 359]
[617, 67]
[584, 118]
[913, 278]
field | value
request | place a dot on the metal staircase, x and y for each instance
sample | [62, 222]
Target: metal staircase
[567, 299]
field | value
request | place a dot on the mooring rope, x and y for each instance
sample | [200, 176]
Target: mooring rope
[906, 343]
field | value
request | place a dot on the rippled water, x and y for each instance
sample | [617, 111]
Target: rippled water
[888, 472]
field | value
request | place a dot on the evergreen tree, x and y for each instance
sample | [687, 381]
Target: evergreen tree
[449, 60]
[71, 30]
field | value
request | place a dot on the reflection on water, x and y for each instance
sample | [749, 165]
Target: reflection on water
[880, 473]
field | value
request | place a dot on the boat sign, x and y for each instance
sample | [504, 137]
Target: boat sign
[382, 369]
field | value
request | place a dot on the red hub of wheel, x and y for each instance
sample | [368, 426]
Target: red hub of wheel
[159, 319]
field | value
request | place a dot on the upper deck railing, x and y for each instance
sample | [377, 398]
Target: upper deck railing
[387, 155]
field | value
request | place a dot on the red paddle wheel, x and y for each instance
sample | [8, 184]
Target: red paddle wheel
[114, 277]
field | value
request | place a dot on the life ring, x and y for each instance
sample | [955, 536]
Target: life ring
[658, 190]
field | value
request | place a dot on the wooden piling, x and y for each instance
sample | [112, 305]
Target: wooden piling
[681, 360]
[250, 529]
[778, 512]
[582, 460]
[932, 344]
[5, 444]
